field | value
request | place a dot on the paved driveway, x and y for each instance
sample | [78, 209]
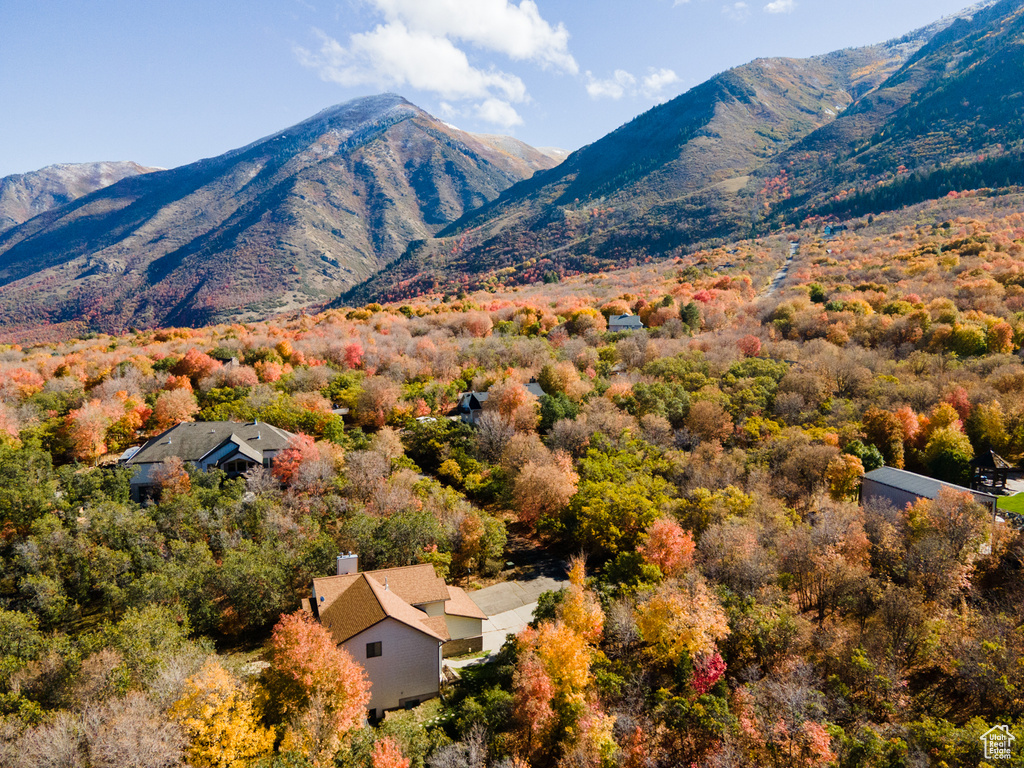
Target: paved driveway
[509, 595]
[509, 607]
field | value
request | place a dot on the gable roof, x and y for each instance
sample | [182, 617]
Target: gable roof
[354, 602]
[629, 321]
[416, 584]
[460, 604]
[926, 487]
[240, 446]
[192, 440]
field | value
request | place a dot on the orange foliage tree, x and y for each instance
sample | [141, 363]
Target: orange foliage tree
[314, 685]
[196, 365]
[387, 754]
[86, 430]
[544, 488]
[682, 618]
[668, 546]
[174, 407]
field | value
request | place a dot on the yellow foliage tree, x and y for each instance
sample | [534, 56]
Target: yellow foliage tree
[843, 475]
[682, 617]
[579, 608]
[217, 715]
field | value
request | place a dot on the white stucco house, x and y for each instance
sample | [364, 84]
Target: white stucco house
[228, 445]
[398, 623]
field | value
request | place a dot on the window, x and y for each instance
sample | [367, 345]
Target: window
[373, 650]
[236, 467]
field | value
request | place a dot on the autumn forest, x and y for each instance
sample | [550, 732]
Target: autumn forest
[729, 600]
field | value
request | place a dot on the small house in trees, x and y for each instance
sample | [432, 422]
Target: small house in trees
[227, 445]
[899, 488]
[470, 406]
[398, 623]
[535, 389]
[618, 323]
[831, 230]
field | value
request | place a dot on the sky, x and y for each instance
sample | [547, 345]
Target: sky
[168, 82]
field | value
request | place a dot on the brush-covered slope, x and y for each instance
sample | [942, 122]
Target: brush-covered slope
[696, 152]
[951, 118]
[289, 220]
[24, 195]
[774, 140]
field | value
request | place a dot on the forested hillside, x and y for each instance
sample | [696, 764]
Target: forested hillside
[287, 221]
[730, 602]
[771, 143]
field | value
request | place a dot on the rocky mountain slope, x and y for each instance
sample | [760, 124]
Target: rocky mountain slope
[770, 142]
[289, 220]
[24, 195]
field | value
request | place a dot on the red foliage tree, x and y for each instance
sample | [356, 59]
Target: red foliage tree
[668, 546]
[354, 354]
[750, 346]
[708, 670]
[957, 397]
[286, 464]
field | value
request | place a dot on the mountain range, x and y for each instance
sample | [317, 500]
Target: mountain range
[284, 222]
[771, 142]
[24, 195]
[377, 200]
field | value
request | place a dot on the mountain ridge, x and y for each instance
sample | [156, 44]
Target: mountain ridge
[24, 195]
[686, 191]
[282, 222]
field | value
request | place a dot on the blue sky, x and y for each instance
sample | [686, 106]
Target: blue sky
[166, 82]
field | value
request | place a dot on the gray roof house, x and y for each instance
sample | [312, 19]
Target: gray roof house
[227, 445]
[624, 323]
[470, 406]
[900, 488]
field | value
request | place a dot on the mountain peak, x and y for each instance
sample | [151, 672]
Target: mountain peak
[287, 221]
[24, 195]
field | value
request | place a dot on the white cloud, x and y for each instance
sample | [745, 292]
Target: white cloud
[780, 6]
[498, 112]
[737, 11]
[657, 81]
[622, 83]
[518, 31]
[393, 56]
[420, 45]
[614, 87]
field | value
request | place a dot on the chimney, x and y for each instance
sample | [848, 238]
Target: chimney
[348, 563]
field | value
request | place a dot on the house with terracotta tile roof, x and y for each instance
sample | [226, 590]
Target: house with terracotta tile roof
[399, 623]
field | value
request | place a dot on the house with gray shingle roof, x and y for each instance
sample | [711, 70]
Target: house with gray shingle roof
[899, 488]
[618, 323]
[470, 406]
[398, 623]
[227, 445]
